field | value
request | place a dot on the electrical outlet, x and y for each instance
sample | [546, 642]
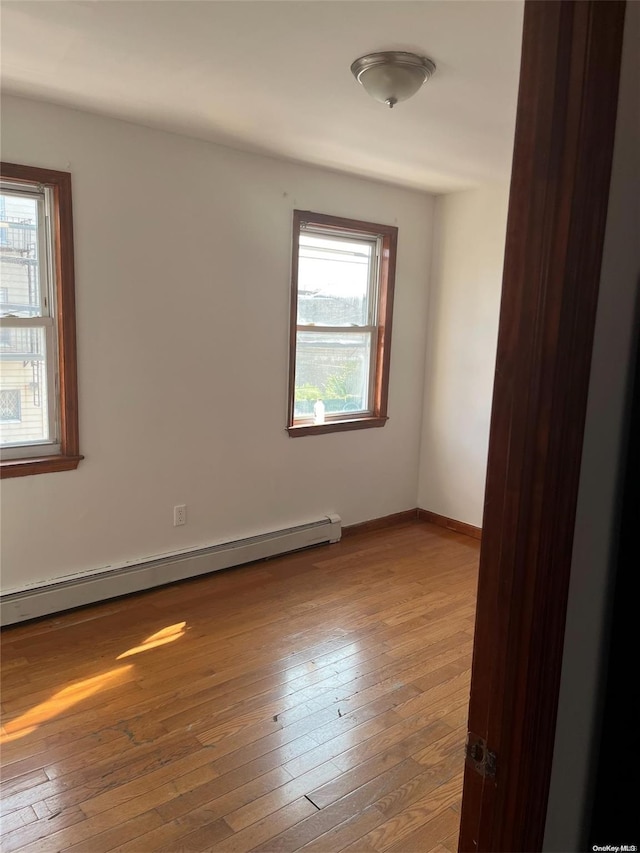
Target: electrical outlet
[179, 515]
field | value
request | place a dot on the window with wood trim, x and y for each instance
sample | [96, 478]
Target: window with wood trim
[343, 275]
[37, 323]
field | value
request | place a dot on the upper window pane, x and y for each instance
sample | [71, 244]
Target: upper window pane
[334, 281]
[20, 240]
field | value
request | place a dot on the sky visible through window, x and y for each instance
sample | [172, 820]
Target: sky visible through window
[333, 267]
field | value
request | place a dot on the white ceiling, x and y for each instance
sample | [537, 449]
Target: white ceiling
[273, 76]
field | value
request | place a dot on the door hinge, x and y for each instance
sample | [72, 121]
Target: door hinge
[479, 757]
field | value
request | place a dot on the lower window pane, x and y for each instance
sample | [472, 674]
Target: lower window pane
[334, 368]
[23, 386]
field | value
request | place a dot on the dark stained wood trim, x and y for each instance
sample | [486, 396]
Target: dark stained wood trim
[409, 516]
[557, 212]
[38, 465]
[69, 456]
[66, 316]
[335, 426]
[341, 223]
[449, 523]
[389, 234]
[385, 321]
[33, 174]
[293, 315]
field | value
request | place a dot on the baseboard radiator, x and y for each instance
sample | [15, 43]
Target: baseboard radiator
[91, 587]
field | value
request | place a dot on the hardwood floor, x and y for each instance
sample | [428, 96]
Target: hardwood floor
[314, 702]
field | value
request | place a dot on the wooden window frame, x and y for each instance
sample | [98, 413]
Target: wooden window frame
[69, 455]
[388, 235]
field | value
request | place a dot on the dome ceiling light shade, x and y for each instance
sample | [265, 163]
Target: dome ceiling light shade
[393, 75]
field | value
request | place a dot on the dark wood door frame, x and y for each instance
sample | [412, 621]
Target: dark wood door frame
[557, 211]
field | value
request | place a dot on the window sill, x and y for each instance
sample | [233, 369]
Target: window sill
[37, 465]
[298, 430]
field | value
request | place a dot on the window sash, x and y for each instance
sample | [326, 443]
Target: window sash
[372, 333]
[36, 447]
[344, 236]
[372, 308]
[33, 449]
[43, 197]
[23, 188]
[45, 321]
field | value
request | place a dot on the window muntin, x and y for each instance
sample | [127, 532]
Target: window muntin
[343, 273]
[37, 321]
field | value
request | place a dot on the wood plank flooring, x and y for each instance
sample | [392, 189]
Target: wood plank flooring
[315, 702]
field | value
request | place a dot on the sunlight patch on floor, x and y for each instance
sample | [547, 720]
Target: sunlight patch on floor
[60, 702]
[160, 638]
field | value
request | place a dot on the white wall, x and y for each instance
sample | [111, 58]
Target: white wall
[182, 277]
[601, 474]
[462, 329]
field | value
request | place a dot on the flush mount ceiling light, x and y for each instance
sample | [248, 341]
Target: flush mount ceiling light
[392, 75]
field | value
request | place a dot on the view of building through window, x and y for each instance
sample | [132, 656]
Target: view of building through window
[24, 411]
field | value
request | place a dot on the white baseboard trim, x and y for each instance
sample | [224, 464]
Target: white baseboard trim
[89, 588]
